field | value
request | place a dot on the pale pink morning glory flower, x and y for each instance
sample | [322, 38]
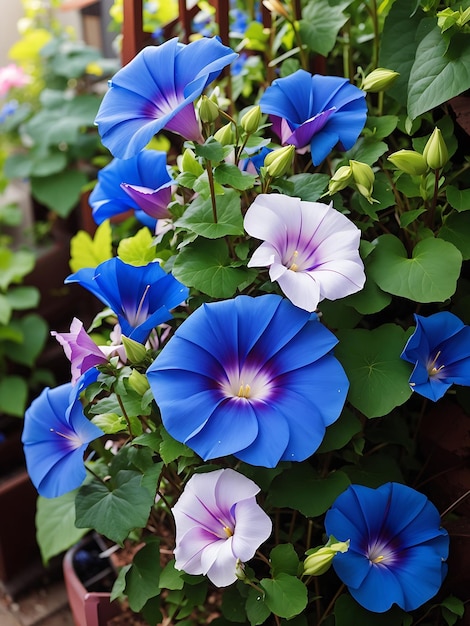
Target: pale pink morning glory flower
[12, 76]
[82, 351]
[311, 249]
[219, 525]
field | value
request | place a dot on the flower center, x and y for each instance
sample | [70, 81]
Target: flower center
[74, 439]
[141, 314]
[380, 553]
[432, 367]
[293, 262]
[249, 384]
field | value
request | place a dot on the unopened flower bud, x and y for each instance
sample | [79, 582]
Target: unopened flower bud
[340, 179]
[190, 164]
[208, 110]
[435, 151]
[409, 161]
[251, 120]
[319, 559]
[379, 79]
[135, 351]
[276, 7]
[225, 135]
[279, 161]
[139, 382]
[364, 178]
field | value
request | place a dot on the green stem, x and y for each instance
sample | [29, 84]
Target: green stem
[331, 605]
[124, 412]
[432, 210]
[98, 478]
[210, 176]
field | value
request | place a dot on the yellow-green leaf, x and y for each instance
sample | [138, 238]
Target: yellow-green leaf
[88, 252]
[139, 249]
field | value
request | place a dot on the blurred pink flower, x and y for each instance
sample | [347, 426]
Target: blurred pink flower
[12, 76]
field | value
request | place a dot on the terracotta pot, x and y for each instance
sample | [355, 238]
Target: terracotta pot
[89, 605]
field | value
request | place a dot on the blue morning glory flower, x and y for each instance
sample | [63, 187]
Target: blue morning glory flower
[141, 296]
[56, 434]
[319, 112]
[141, 184]
[258, 376]
[397, 548]
[439, 349]
[156, 90]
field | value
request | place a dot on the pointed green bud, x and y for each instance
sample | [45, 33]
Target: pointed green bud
[435, 151]
[225, 135]
[135, 351]
[364, 178]
[379, 80]
[279, 161]
[340, 179]
[139, 382]
[250, 121]
[319, 559]
[208, 110]
[190, 164]
[409, 161]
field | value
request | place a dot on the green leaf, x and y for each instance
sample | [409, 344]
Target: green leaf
[142, 575]
[320, 25]
[212, 150]
[114, 509]
[398, 44]
[409, 217]
[370, 299]
[429, 276]
[309, 187]
[233, 607]
[303, 489]
[14, 266]
[438, 73]
[459, 199]
[286, 595]
[340, 432]
[206, 266]
[171, 578]
[22, 298]
[35, 332]
[60, 192]
[284, 559]
[377, 375]
[13, 395]
[88, 252]
[226, 174]
[139, 249]
[170, 449]
[199, 217]
[456, 230]
[381, 127]
[47, 164]
[55, 525]
[373, 471]
[366, 150]
[452, 608]
[256, 610]
[5, 310]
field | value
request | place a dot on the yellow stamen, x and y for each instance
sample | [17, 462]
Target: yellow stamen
[378, 559]
[228, 531]
[293, 266]
[244, 391]
[432, 369]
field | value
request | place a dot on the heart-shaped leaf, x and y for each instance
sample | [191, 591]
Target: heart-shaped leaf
[372, 362]
[429, 276]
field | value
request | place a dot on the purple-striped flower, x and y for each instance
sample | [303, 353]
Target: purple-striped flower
[311, 249]
[219, 525]
[141, 296]
[439, 349]
[82, 351]
[56, 434]
[397, 548]
[157, 90]
[319, 112]
[258, 376]
[141, 184]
